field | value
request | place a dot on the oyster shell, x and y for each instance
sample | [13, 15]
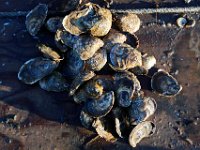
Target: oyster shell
[73, 65]
[35, 18]
[100, 83]
[86, 46]
[124, 57]
[86, 119]
[67, 38]
[113, 37]
[126, 86]
[101, 106]
[54, 82]
[98, 60]
[79, 80]
[142, 130]
[165, 84]
[121, 122]
[100, 126]
[80, 96]
[141, 109]
[48, 52]
[35, 69]
[63, 48]
[54, 23]
[128, 22]
[90, 18]
[147, 63]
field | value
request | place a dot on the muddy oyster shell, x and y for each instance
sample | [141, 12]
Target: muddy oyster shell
[165, 84]
[128, 22]
[35, 18]
[54, 23]
[141, 109]
[142, 130]
[123, 57]
[101, 106]
[90, 18]
[79, 80]
[126, 86]
[73, 65]
[35, 69]
[87, 46]
[100, 125]
[98, 60]
[147, 63]
[48, 52]
[54, 82]
[113, 37]
[86, 119]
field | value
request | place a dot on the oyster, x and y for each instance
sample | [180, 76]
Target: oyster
[126, 86]
[124, 57]
[48, 52]
[35, 69]
[128, 22]
[142, 130]
[87, 46]
[121, 122]
[113, 37]
[80, 96]
[67, 38]
[98, 60]
[86, 119]
[100, 83]
[101, 126]
[79, 80]
[59, 43]
[73, 65]
[141, 109]
[90, 18]
[185, 22]
[54, 82]
[101, 106]
[54, 23]
[165, 84]
[35, 18]
[147, 63]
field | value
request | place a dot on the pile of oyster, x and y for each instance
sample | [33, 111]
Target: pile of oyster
[94, 64]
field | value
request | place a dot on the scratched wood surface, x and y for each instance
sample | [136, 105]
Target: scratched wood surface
[31, 118]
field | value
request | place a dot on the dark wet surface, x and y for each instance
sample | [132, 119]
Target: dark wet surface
[34, 119]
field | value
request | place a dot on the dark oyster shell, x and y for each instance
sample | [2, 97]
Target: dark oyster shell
[86, 119]
[35, 69]
[141, 109]
[101, 106]
[54, 82]
[35, 18]
[142, 130]
[54, 23]
[126, 85]
[87, 46]
[73, 65]
[165, 84]
[79, 80]
[91, 18]
[80, 96]
[98, 60]
[123, 57]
